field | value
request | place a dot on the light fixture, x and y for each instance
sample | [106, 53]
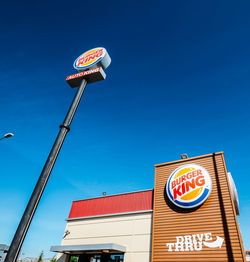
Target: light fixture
[184, 156]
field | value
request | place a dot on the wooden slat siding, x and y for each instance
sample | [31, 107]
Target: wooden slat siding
[216, 215]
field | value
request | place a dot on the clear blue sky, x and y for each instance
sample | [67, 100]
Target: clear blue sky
[178, 83]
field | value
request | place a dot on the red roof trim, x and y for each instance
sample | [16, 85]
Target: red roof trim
[115, 204]
[113, 195]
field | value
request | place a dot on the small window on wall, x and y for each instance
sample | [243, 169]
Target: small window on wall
[112, 258]
[95, 258]
[117, 258]
[73, 258]
[104, 257]
[85, 258]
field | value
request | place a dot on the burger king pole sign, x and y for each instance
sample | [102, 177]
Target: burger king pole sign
[189, 186]
[91, 66]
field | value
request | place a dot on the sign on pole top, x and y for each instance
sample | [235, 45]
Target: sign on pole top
[96, 57]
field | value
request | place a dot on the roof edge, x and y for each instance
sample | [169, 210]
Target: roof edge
[110, 215]
[188, 159]
[126, 193]
[88, 247]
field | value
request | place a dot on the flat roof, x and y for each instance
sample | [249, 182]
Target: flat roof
[78, 249]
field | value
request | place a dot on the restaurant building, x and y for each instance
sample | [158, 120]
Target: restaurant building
[190, 215]
[3, 251]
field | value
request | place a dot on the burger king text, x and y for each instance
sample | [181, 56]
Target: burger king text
[189, 186]
[184, 183]
[92, 56]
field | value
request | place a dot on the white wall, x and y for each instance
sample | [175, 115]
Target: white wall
[132, 231]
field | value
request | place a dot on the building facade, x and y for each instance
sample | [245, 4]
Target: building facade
[117, 227]
[191, 215]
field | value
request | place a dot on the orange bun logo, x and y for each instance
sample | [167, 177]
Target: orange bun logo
[89, 58]
[189, 186]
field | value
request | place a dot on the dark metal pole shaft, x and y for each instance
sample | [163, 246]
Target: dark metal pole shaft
[24, 224]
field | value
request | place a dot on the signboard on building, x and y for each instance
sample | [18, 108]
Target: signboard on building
[194, 217]
[189, 186]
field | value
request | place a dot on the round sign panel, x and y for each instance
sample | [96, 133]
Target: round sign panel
[189, 186]
[93, 58]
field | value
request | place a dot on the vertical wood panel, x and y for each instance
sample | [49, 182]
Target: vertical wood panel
[215, 215]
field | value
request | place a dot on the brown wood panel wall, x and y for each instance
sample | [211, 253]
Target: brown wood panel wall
[216, 215]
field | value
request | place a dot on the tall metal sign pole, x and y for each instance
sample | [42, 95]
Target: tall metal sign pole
[91, 66]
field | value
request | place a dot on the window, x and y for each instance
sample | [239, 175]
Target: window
[104, 257]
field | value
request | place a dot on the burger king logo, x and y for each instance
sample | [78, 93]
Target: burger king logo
[89, 59]
[189, 186]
